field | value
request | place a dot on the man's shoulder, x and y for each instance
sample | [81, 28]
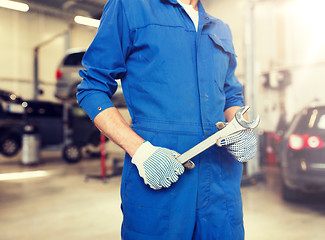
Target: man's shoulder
[217, 21]
[219, 27]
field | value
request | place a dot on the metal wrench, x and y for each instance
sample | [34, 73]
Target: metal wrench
[237, 124]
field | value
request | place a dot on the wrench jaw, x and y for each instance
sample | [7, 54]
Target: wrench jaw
[243, 122]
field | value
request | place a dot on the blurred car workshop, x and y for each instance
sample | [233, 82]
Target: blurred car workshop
[60, 178]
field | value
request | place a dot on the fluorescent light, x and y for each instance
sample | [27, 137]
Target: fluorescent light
[14, 5]
[87, 21]
[22, 175]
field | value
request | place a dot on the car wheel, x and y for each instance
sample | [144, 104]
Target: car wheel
[290, 194]
[10, 146]
[72, 153]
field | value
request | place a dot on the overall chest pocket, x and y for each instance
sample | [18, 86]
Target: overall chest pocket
[223, 50]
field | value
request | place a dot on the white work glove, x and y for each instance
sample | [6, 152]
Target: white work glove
[242, 145]
[157, 166]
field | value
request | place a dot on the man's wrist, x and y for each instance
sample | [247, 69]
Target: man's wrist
[145, 150]
[136, 144]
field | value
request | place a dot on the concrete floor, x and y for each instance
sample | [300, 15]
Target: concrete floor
[63, 206]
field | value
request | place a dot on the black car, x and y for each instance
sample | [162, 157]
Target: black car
[64, 125]
[12, 110]
[302, 159]
[59, 125]
[47, 118]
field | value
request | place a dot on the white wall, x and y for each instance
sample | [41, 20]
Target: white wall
[20, 34]
[305, 51]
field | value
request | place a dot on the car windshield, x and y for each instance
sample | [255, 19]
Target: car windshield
[73, 59]
[321, 122]
[312, 120]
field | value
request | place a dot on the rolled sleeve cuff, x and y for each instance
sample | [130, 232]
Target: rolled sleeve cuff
[95, 103]
[237, 103]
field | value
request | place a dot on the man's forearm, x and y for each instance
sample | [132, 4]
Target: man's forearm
[230, 113]
[111, 123]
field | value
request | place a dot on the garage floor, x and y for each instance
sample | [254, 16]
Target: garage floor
[61, 205]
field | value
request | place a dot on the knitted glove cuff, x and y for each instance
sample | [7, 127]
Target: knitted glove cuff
[145, 150]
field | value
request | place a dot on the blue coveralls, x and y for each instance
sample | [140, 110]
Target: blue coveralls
[177, 83]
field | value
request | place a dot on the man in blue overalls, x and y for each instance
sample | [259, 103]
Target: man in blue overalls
[176, 64]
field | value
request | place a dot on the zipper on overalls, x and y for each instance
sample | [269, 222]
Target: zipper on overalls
[197, 43]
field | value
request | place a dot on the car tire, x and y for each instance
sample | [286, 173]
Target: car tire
[10, 146]
[72, 153]
[289, 194]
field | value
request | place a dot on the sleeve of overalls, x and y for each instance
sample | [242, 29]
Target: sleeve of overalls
[233, 88]
[104, 61]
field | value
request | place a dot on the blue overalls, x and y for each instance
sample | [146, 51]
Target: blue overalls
[177, 83]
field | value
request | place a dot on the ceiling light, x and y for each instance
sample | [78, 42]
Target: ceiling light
[14, 5]
[87, 21]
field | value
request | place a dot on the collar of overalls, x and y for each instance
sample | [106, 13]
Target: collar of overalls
[203, 15]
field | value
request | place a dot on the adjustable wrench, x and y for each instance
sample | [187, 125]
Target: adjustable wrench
[237, 124]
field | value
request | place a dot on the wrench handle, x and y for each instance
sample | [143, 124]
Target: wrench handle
[231, 128]
[202, 146]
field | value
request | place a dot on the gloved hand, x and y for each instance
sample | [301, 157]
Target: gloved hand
[157, 166]
[242, 145]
